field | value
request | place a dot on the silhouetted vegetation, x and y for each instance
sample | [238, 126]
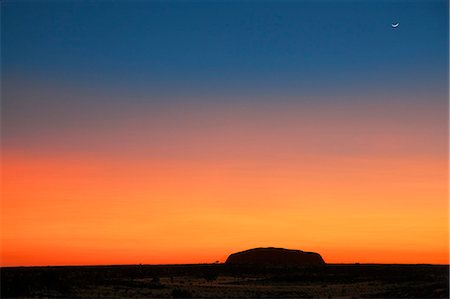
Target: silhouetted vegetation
[220, 280]
[210, 275]
[181, 293]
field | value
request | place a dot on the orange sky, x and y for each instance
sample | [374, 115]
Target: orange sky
[186, 185]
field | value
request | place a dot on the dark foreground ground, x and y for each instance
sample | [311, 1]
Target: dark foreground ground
[222, 281]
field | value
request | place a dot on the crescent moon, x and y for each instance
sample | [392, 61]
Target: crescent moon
[395, 25]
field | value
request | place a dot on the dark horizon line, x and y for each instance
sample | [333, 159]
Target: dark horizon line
[199, 264]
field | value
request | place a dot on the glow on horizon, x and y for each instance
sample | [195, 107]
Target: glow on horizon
[226, 178]
[186, 222]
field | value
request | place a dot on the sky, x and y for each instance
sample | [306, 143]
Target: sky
[159, 132]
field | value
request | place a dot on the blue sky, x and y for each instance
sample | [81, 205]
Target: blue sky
[291, 45]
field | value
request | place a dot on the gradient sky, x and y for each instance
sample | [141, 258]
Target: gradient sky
[180, 132]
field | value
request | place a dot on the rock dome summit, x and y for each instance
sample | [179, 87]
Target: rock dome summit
[270, 256]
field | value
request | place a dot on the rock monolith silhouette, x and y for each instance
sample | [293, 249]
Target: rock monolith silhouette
[270, 256]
